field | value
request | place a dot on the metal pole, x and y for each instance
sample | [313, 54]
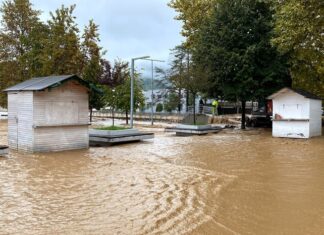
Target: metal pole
[132, 94]
[132, 88]
[152, 82]
[152, 93]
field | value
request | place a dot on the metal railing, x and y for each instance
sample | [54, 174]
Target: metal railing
[169, 117]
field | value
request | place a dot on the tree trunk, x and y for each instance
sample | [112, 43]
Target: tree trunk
[187, 100]
[194, 108]
[113, 117]
[90, 114]
[126, 117]
[243, 115]
[179, 100]
[188, 77]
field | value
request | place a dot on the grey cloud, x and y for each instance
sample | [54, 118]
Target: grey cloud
[128, 28]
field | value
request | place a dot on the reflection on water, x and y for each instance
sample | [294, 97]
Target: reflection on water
[228, 183]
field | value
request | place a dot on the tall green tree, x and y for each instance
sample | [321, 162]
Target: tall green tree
[176, 74]
[192, 14]
[185, 75]
[234, 49]
[62, 53]
[197, 82]
[299, 35]
[21, 35]
[92, 64]
[179, 71]
[171, 103]
[112, 77]
[118, 83]
[124, 94]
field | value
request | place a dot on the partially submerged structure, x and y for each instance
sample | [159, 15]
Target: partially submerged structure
[188, 130]
[296, 114]
[48, 114]
[3, 150]
[104, 137]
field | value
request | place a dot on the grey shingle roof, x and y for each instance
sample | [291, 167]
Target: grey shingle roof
[306, 94]
[298, 91]
[41, 83]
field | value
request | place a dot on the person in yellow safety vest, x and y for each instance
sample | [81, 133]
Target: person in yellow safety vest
[215, 107]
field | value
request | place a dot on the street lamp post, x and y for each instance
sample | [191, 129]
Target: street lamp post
[152, 82]
[132, 87]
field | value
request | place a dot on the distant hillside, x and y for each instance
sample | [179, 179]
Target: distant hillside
[157, 84]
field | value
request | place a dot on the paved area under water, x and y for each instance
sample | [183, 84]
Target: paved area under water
[232, 182]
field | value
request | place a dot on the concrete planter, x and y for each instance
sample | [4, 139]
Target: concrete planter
[4, 150]
[185, 130]
[104, 137]
[193, 127]
[103, 133]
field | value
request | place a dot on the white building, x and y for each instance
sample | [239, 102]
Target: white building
[296, 114]
[48, 114]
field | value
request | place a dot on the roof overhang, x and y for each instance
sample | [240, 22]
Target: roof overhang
[42, 83]
[279, 93]
[286, 90]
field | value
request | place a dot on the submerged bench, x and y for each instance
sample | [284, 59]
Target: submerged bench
[186, 130]
[103, 137]
[4, 150]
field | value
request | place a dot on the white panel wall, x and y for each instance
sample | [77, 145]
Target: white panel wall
[296, 129]
[291, 106]
[315, 118]
[51, 139]
[64, 105]
[20, 121]
[12, 120]
[67, 104]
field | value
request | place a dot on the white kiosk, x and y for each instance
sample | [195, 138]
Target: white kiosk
[296, 114]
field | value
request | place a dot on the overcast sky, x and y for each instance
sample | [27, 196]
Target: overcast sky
[128, 28]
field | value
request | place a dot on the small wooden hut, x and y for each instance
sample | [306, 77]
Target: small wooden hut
[296, 114]
[48, 114]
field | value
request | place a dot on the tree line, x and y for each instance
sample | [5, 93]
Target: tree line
[32, 48]
[243, 50]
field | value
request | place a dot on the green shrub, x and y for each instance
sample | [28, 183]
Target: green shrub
[159, 108]
[111, 128]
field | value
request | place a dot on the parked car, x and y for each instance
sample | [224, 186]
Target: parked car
[262, 117]
[258, 118]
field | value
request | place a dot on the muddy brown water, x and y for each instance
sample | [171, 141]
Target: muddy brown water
[232, 182]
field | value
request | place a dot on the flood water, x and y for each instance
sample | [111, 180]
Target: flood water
[232, 182]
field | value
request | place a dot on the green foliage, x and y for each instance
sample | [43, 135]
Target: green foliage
[159, 108]
[62, 54]
[299, 35]
[234, 48]
[235, 51]
[92, 68]
[113, 76]
[192, 14]
[171, 103]
[179, 67]
[118, 97]
[20, 37]
[178, 72]
[184, 75]
[30, 48]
